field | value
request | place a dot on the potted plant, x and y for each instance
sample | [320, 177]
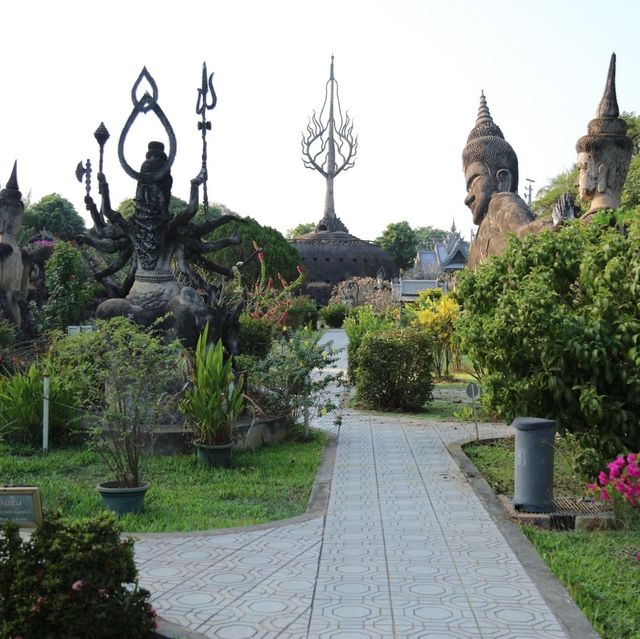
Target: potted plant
[138, 371]
[213, 403]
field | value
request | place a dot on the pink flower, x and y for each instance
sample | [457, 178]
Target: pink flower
[76, 586]
[592, 487]
[604, 495]
[602, 478]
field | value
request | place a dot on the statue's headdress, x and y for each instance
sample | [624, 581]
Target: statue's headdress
[486, 143]
[12, 190]
[607, 140]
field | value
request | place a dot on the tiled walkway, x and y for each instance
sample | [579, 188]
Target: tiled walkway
[406, 550]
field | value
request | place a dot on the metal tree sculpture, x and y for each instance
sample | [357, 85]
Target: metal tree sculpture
[153, 241]
[330, 147]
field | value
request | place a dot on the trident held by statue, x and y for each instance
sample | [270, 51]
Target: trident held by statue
[206, 102]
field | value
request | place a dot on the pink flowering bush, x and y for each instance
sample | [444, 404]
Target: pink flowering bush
[620, 483]
[71, 579]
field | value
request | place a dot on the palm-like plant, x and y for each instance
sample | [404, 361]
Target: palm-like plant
[215, 401]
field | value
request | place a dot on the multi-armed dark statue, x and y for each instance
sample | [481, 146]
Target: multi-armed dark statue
[153, 240]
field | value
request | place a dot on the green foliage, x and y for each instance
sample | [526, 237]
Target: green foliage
[280, 256]
[300, 229]
[401, 242]
[128, 206]
[256, 336]
[7, 333]
[281, 383]
[333, 314]
[54, 214]
[21, 399]
[630, 196]
[553, 327]
[69, 293]
[302, 312]
[72, 579]
[395, 370]
[216, 400]
[361, 321]
[427, 236]
[547, 196]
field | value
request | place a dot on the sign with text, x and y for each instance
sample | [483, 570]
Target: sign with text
[20, 505]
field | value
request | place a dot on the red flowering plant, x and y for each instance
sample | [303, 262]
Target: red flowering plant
[269, 302]
[619, 485]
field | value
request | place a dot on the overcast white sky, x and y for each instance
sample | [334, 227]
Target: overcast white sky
[410, 74]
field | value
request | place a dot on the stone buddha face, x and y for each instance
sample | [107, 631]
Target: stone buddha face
[592, 176]
[11, 212]
[482, 185]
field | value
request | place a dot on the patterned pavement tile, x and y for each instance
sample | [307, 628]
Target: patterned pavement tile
[406, 549]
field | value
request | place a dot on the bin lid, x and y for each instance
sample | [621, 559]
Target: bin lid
[533, 423]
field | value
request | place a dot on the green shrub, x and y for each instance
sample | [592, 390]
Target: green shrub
[395, 370]
[361, 321]
[333, 314]
[21, 399]
[302, 312]
[553, 328]
[256, 336]
[71, 579]
[69, 293]
[281, 383]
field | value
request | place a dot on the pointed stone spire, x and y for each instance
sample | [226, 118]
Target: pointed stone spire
[485, 126]
[13, 179]
[12, 190]
[608, 107]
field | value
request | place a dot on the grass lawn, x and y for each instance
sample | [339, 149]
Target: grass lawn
[599, 569]
[261, 486]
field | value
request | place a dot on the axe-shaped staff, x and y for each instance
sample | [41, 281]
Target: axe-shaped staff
[205, 103]
[84, 171]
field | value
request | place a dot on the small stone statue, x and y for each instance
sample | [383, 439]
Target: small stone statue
[604, 153]
[491, 172]
[13, 275]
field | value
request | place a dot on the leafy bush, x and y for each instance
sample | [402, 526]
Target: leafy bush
[436, 314]
[21, 399]
[69, 293]
[256, 336]
[302, 312]
[333, 314]
[395, 370]
[71, 579]
[281, 383]
[361, 321]
[553, 327]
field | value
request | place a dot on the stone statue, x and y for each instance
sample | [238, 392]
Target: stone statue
[13, 275]
[153, 239]
[604, 153]
[491, 173]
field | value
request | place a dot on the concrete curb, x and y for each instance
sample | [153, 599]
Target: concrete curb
[569, 616]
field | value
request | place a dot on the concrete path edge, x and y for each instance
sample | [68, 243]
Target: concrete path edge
[570, 617]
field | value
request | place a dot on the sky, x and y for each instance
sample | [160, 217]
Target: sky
[410, 74]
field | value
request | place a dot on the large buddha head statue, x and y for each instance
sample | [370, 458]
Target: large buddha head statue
[605, 152]
[490, 164]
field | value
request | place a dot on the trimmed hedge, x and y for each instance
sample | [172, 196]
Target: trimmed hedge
[256, 336]
[333, 314]
[395, 370]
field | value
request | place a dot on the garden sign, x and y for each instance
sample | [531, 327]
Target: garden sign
[20, 505]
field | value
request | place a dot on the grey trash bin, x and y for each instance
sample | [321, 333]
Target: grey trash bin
[534, 464]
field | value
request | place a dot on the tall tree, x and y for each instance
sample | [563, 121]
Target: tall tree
[428, 235]
[401, 242]
[54, 214]
[300, 229]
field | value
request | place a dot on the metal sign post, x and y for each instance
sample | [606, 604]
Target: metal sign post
[474, 392]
